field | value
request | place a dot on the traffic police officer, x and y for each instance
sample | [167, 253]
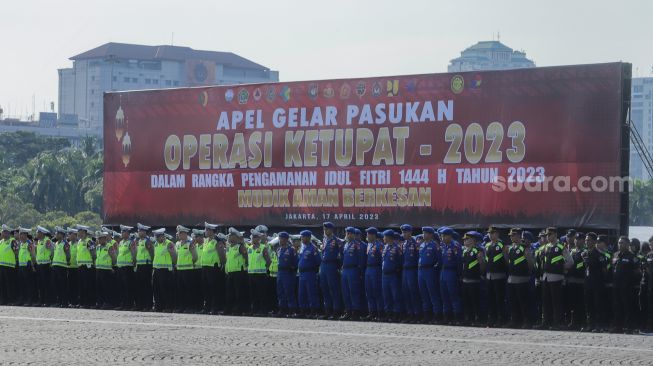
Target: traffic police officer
[26, 268]
[163, 261]
[286, 276]
[196, 291]
[125, 262]
[258, 262]
[44, 248]
[520, 265]
[409, 285]
[60, 263]
[213, 277]
[330, 272]
[473, 261]
[391, 268]
[428, 277]
[186, 258]
[496, 257]
[352, 265]
[104, 275]
[308, 266]
[8, 258]
[373, 288]
[236, 269]
[73, 279]
[86, 270]
[144, 256]
[451, 266]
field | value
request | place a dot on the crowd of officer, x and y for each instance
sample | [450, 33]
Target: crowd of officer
[579, 281]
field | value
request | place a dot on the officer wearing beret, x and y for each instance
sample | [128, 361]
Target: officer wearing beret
[373, 276]
[473, 262]
[451, 265]
[409, 285]
[330, 283]
[286, 277]
[308, 266]
[353, 262]
[428, 275]
[391, 269]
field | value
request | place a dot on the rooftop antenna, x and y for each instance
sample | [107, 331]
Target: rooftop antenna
[498, 36]
[172, 39]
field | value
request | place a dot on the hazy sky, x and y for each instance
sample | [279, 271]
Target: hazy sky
[317, 39]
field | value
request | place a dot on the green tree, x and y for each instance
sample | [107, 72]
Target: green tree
[641, 203]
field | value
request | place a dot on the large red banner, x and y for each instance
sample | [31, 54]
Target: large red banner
[466, 149]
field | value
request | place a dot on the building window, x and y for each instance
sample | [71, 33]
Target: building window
[168, 82]
[134, 80]
[176, 83]
[148, 81]
[155, 81]
[126, 79]
[638, 88]
[115, 78]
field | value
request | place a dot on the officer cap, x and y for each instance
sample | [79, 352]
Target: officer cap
[71, 231]
[445, 230]
[592, 235]
[221, 237]
[41, 229]
[83, 228]
[159, 232]
[208, 226]
[372, 230]
[255, 232]
[473, 235]
[350, 229]
[551, 230]
[406, 227]
[492, 229]
[284, 234]
[328, 225]
[198, 232]
[306, 233]
[389, 232]
[515, 231]
[262, 229]
[59, 229]
[101, 233]
[5, 227]
[24, 230]
[527, 235]
[398, 236]
[571, 232]
[602, 238]
[542, 233]
[168, 236]
[182, 229]
[142, 227]
[428, 229]
[124, 228]
[233, 231]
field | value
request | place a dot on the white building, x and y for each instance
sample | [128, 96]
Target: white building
[641, 115]
[489, 55]
[119, 66]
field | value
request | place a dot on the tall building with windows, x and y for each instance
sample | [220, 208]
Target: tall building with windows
[489, 55]
[641, 115]
[120, 66]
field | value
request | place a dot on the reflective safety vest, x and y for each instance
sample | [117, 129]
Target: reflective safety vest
[184, 256]
[59, 258]
[43, 253]
[517, 263]
[198, 250]
[103, 259]
[235, 260]
[84, 258]
[125, 257]
[274, 263]
[256, 260]
[142, 254]
[162, 258]
[494, 258]
[24, 255]
[72, 247]
[554, 261]
[210, 254]
[7, 255]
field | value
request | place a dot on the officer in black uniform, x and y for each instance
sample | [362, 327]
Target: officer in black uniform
[496, 256]
[625, 266]
[556, 259]
[473, 267]
[520, 265]
[575, 283]
[595, 266]
[647, 278]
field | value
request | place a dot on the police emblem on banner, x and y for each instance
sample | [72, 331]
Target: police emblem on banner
[345, 90]
[257, 94]
[243, 96]
[285, 93]
[229, 95]
[457, 84]
[313, 91]
[376, 89]
[271, 93]
[392, 88]
[328, 91]
[361, 88]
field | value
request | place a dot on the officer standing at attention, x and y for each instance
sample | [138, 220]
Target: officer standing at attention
[163, 284]
[429, 262]
[104, 275]
[556, 259]
[186, 258]
[538, 270]
[258, 262]
[214, 256]
[473, 261]
[236, 268]
[595, 267]
[626, 271]
[575, 283]
[308, 266]
[286, 277]
[496, 257]
[391, 268]
[353, 262]
[44, 248]
[26, 268]
[8, 260]
[451, 265]
[197, 300]
[520, 266]
[73, 279]
[409, 285]
[373, 288]
[86, 270]
[330, 272]
[125, 263]
[60, 263]
[144, 255]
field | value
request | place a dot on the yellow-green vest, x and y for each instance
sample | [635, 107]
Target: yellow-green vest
[43, 253]
[7, 255]
[24, 255]
[235, 260]
[142, 254]
[84, 258]
[162, 258]
[274, 263]
[72, 248]
[103, 259]
[125, 256]
[210, 254]
[198, 249]
[255, 260]
[184, 256]
[59, 258]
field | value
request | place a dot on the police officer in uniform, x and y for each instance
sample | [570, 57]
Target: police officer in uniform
[186, 258]
[143, 277]
[236, 269]
[353, 262]
[105, 260]
[409, 285]
[556, 259]
[308, 265]
[163, 284]
[213, 277]
[86, 270]
[626, 271]
[647, 278]
[286, 277]
[575, 283]
[520, 265]
[44, 248]
[496, 257]
[258, 262]
[391, 269]
[428, 275]
[73, 279]
[8, 260]
[451, 265]
[330, 272]
[127, 253]
[373, 289]
[196, 290]
[595, 266]
[473, 262]
[26, 267]
[60, 264]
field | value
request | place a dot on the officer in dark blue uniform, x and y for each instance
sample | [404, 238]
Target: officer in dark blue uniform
[358, 235]
[330, 272]
[373, 289]
[308, 266]
[451, 267]
[428, 276]
[286, 276]
[391, 269]
[409, 285]
[353, 261]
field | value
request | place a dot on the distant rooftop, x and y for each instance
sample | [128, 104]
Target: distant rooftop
[484, 45]
[171, 53]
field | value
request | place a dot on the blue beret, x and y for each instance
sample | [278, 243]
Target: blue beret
[284, 234]
[527, 235]
[420, 236]
[357, 231]
[445, 230]
[372, 230]
[350, 229]
[306, 233]
[455, 235]
[328, 225]
[389, 232]
[473, 235]
[428, 229]
[406, 227]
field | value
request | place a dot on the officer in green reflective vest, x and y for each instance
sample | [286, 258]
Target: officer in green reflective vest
[26, 268]
[273, 270]
[44, 250]
[556, 260]
[520, 267]
[104, 273]
[8, 260]
[60, 263]
[85, 267]
[165, 257]
[73, 279]
[213, 277]
[186, 258]
[144, 256]
[257, 270]
[236, 269]
[126, 262]
[196, 290]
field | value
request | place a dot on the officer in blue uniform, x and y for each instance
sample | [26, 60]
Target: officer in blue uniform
[358, 235]
[427, 276]
[286, 276]
[330, 272]
[451, 267]
[353, 262]
[391, 269]
[308, 266]
[373, 288]
[409, 285]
